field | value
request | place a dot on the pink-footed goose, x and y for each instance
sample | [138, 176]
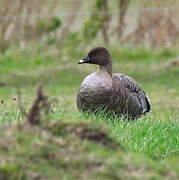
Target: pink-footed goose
[115, 92]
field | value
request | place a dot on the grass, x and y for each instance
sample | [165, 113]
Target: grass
[146, 148]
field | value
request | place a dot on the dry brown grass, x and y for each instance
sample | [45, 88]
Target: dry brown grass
[156, 21]
[40, 103]
[69, 21]
[123, 6]
[157, 25]
[106, 17]
[19, 19]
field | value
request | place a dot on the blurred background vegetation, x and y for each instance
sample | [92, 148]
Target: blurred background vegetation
[41, 43]
[139, 22]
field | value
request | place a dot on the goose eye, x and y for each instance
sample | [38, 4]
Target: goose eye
[94, 54]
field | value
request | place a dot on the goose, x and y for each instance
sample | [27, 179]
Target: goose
[114, 92]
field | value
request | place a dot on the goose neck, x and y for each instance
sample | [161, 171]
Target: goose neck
[107, 68]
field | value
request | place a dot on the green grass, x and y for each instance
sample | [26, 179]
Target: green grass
[64, 149]
[148, 146]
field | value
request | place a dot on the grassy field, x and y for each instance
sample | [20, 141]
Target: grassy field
[71, 145]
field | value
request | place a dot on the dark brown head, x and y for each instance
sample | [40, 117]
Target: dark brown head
[98, 55]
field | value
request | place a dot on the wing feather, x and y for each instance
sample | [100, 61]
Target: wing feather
[132, 97]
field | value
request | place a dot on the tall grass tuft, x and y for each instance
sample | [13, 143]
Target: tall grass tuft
[155, 135]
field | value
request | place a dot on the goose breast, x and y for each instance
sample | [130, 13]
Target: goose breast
[95, 90]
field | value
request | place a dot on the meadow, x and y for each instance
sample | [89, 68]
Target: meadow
[68, 142]
[41, 44]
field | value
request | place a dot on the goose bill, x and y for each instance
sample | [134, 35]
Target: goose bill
[84, 60]
[81, 61]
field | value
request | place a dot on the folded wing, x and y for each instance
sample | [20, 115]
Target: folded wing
[129, 96]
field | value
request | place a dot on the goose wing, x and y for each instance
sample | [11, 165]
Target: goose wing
[131, 96]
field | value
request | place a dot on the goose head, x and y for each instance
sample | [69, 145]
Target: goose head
[99, 56]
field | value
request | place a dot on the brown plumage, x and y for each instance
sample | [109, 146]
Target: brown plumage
[116, 93]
